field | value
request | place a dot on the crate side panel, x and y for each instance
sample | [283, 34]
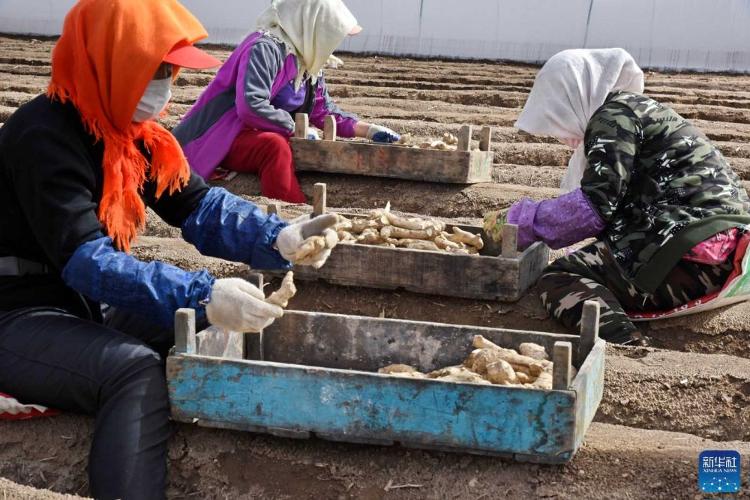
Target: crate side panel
[589, 388]
[359, 405]
[363, 343]
[358, 158]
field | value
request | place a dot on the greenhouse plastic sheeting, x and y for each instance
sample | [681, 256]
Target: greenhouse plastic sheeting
[707, 35]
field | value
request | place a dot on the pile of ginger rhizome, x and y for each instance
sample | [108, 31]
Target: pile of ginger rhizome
[384, 228]
[529, 367]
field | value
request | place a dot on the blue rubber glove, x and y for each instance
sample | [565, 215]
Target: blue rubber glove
[378, 133]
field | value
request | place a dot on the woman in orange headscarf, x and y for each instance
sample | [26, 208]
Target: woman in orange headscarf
[84, 326]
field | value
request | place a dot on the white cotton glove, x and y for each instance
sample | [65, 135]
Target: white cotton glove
[293, 238]
[240, 306]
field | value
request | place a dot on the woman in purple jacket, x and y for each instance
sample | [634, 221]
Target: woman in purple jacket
[243, 120]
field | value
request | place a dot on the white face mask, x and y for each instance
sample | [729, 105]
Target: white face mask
[154, 100]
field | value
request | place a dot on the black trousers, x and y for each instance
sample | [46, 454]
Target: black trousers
[113, 371]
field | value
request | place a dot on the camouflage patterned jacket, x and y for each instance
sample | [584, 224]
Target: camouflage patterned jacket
[658, 183]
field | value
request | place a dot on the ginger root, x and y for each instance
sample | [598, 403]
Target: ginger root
[400, 370]
[533, 351]
[457, 374]
[461, 236]
[414, 234]
[310, 246]
[489, 363]
[417, 244]
[500, 372]
[384, 228]
[286, 291]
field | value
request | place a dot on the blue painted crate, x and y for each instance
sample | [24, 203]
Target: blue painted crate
[319, 378]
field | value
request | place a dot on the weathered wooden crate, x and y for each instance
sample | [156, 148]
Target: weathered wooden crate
[462, 166]
[496, 274]
[318, 378]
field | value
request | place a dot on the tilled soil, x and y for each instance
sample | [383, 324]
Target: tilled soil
[661, 405]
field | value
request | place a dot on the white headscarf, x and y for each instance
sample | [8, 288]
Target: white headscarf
[567, 91]
[311, 29]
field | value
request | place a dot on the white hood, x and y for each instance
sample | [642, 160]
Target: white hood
[311, 29]
[567, 91]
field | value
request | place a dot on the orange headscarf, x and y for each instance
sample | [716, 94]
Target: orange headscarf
[107, 55]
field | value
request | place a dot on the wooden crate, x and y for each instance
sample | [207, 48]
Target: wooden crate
[497, 274]
[462, 166]
[318, 378]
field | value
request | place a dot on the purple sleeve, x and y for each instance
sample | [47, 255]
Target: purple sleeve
[558, 222]
[324, 106]
[254, 89]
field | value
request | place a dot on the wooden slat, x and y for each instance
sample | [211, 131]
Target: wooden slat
[562, 357]
[589, 388]
[363, 158]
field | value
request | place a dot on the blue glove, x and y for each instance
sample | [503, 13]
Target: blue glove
[377, 133]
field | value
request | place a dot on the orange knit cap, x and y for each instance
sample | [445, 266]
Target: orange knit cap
[107, 55]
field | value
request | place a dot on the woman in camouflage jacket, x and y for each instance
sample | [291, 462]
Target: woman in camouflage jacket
[662, 202]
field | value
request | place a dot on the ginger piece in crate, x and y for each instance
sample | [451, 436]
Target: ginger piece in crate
[533, 350]
[416, 244]
[370, 236]
[443, 242]
[500, 372]
[450, 139]
[284, 294]
[461, 236]
[400, 370]
[457, 374]
[530, 365]
[388, 232]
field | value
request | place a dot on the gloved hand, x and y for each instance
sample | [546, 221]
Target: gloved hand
[294, 239]
[378, 133]
[313, 134]
[493, 224]
[240, 306]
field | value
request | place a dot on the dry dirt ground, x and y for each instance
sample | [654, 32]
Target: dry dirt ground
[661, 405]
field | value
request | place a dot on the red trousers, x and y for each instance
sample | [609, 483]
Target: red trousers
[268, 154]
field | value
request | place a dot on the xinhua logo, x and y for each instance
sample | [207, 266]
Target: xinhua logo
[719, 471]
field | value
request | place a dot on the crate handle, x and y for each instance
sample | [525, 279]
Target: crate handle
[301, 125]
[510, 241]
[561, 369]
[184, 331]
[589, 329]
[464, 138]
[319, 198]
[485, 139]
[329, 128]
